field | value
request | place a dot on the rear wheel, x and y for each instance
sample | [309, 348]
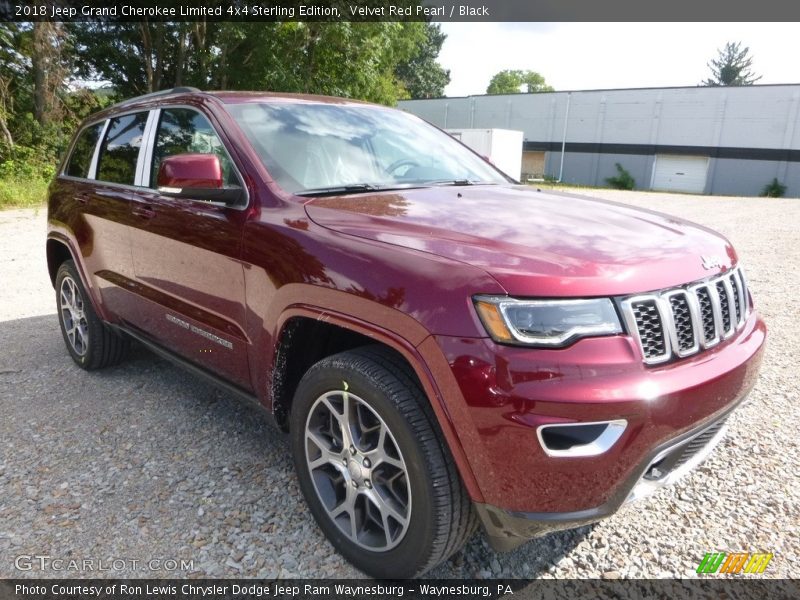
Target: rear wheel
[91, 343]
[374, 468]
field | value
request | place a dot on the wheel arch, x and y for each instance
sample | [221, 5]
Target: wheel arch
[59, 249]
[349, 333]
[58, 252]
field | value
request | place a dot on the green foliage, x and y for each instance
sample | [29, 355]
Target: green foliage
[511, 82]
[623, 180]
[732, 67]
[421, 75]
[22, 192]
[25, 163]
[40, 109]
[774, 189]
[379, 62]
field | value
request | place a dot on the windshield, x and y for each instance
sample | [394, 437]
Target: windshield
[310, 147]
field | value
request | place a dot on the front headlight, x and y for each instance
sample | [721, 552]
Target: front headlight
[549, 323]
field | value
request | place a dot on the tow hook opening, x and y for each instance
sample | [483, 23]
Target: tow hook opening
[580, 439]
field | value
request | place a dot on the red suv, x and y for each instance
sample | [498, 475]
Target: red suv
[444, 346]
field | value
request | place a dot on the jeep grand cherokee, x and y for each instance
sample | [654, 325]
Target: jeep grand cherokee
[443, 346]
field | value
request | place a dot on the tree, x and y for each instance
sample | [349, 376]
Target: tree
[510, 82]
[50, 67]
[732, 67]
[12, 71]
[39, 107]
[421, 75]
[142, 57]
[352, 59]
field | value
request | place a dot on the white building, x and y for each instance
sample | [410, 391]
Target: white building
[713, 140]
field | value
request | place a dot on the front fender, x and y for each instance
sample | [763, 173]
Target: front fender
[415, 346]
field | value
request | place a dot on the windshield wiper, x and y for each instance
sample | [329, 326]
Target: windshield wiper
[354, 188]
[452, 182]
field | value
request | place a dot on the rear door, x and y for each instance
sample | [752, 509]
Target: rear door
[104, 199]
[186, 256]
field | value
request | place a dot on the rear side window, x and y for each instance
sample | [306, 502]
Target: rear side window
[82, 152]
[182, 130]
[120, 149]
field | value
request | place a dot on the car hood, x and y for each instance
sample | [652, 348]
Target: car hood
[535, 243]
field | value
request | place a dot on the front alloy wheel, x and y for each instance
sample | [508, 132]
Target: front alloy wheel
[358, 471]
[373, 466]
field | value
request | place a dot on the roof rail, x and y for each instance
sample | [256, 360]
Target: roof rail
[176, 90]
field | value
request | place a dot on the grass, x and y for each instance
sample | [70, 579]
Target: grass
[19, 193]
[554, 185]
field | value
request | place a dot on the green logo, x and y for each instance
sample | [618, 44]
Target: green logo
[733, 562]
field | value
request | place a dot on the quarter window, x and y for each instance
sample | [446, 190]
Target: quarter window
[120, 149]
[82, 152]
[181, 131]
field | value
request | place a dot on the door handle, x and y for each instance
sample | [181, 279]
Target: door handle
[82, 197]
[145, 212]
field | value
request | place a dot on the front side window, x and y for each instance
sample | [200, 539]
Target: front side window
[81, 158]
[120, 149]
[314, 146]
[182, 131]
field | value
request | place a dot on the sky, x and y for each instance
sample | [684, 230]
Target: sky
[576, 56]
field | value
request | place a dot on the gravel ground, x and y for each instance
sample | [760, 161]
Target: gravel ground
[143, 461]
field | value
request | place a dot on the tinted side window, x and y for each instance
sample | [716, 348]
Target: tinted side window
[120, 149]
[182, 130]
[82, 152]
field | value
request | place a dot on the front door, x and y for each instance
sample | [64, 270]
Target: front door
[186, 257]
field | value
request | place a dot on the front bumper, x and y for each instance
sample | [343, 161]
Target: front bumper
[506, 530]
[498, 397]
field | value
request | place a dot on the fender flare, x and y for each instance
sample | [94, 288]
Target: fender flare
[411, 353]
[94, 298]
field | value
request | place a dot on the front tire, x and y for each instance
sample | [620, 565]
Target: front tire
[373, 466]
[90, 342]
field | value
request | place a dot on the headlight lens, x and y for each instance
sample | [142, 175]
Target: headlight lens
[549, 323]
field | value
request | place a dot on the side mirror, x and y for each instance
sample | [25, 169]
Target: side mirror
[195, 177]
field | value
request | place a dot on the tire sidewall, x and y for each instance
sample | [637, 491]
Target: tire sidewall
[405, 559]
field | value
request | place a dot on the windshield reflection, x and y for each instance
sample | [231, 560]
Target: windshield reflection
[319, 148]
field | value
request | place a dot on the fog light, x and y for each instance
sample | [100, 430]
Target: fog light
[580, 439]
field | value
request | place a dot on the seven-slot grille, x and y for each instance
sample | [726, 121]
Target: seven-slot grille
[682, 321]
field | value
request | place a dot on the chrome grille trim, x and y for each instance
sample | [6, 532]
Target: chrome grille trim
[630, 307]
[736, 283]
[712, 304]
[745, 292]
[731, 317]
[674, 328]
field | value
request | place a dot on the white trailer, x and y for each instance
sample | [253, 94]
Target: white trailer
[501, 146]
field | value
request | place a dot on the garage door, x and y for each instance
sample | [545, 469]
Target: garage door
[680, 173]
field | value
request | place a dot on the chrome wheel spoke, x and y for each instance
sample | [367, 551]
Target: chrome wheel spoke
[387, 509]
[347, 507]
[71, 335]
[327, 455]
[380, 455]
[342, 418]
[365, 426]
[66, 301]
